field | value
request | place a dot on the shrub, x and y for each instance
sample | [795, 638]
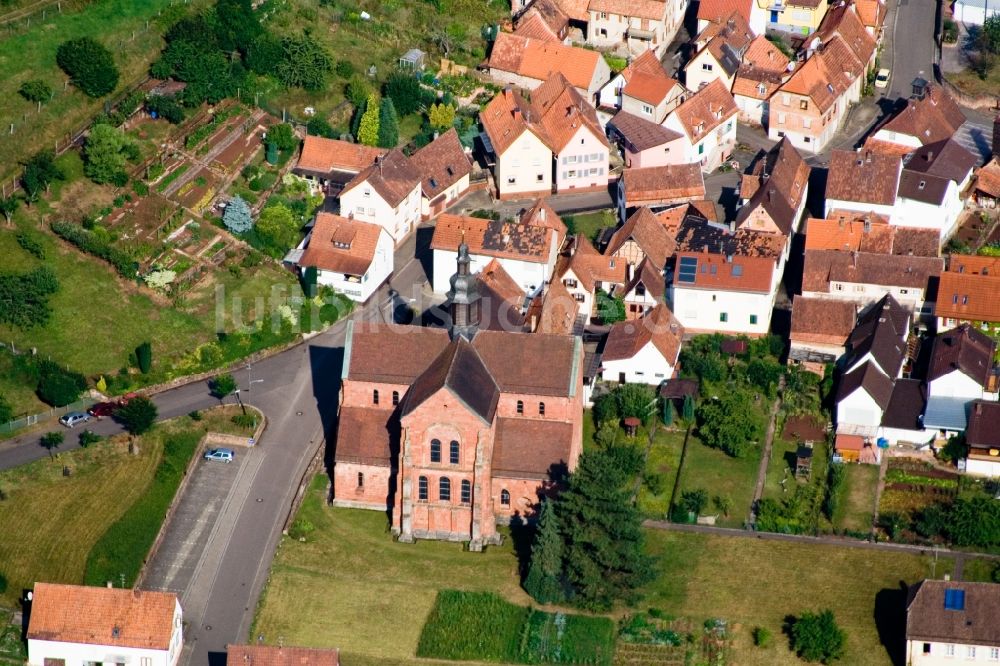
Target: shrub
[35, 90]
[237, 217]
[92, 243]
[195, 415]
[761, 637]
[222, 385]
[138, 416]
[88, 437]
[89, 65]
[25, 297]
[59, 387]
[405, 92]
[52, 440]
[245, 420]
[144, 357]
[300, 529]
[816, 637]
[344, 69]
[122, 548]
[6, 411]
[140, 188]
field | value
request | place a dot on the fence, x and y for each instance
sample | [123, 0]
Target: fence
[25, 421]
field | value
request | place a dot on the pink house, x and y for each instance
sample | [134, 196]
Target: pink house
[644, 143]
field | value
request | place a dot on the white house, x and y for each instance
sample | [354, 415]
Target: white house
[708, 120]
[928, 117]
[386, 193]
[643, 351]
[646, 289]
[643, 89]
[720, 49]
[863, 181]
[329, 164]
[352, 257]
[74, 625]
[973, 12]
[724, 293]
[961, 370]
[765, 68]
[584, 271]
[862, 399]
[527, 247]
[445, 170]
[930, 187]
[952, 622]
[982, 436]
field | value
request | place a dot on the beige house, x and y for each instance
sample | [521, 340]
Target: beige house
[765, 68]
[643, 89]
[707, 120]
[638, 25]
[719, 52]
[386, 193]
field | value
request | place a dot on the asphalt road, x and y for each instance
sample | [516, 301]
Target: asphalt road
[910, 53]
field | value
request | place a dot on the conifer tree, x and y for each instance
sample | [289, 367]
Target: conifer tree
[388, 126]
[668, 411]
[688, 408]
[544, 578]
[368, 130]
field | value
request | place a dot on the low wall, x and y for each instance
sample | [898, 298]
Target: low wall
[223, 439]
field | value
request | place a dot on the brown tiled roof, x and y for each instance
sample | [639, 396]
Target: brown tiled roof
[391, 354]
[532, 25]
[871, 12]
[705, 110]
[648, 64]
[364, 435]
[393, 177]
[650, 278]
[975, 264]
[676, 389]
[507, 117]
[881, 330]
[272, 655]
[663, 184]
[649, 88]
[495, 278]
[916, 240]
[968, 297]
[323, 155]
[715, 271]
[782, 189]
[763, 63]
[537, 59]
[648, 233]
[341, 245]
[869, 378]
[495, 238]
[658, 327]
[102, 616]
[921, 187]
[557, 314]
[642, 134]
[822, 320]
[461, 370]
[756, 83]
[530, 448]
[945, 159]
[988, 179]
[906, 406]
[564, 111]
[850, 231]
[829, 72]
[576, 9]
[866, 177]
[541, 214]
[824, 266]
[927, 619]
[535, 363]
[716, 10]
[654, 10]
[936, 117]
[982, 431]
[962, 348]
[842, 21]
[501, 297]
[590, 266]
[441, 163]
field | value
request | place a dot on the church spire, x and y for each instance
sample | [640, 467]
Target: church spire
[464, 297]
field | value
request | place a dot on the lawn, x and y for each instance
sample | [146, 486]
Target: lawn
[854, 512]
[49, 522]
[723, 475]
[591, 224]
[780, 467]
[969, 82]
[661, 472]
[349, 584]
[757, 583]
[31, 54]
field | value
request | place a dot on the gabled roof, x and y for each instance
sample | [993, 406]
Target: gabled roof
[643, 228]
[936, 117]
[944, 159]
[842, 22]
[537, 59]
[531, 363]
[324, 155]
[505, 239]
[278, 655]
[654, 10]
[822, 267]
[715, 11]
[650, 278]
[640, 133]
[441, 163]
[872, 13]
[727, 41]
[564, 111]
[341, 245]
[557, 314]
[822, 320]
[647, 80]
[531, 448]
[865, 177]
[881, 331]
[949, 611]
[970, 295]
[508, 116]
[850, 231]
[392, 176]
[658, 327]
[368, 357]
[964, 349]
[371, 433]
[906, 406]
[784, 177]
[988, 179]
[502, 298]
[982, 432]
[590, 266]
[543, 19]
[102, 616]
[705, 110]
[723, 272]
[764, 66]
[869, 378]
[663, 184]
[459, 369]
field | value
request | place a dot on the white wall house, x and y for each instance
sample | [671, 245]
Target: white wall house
[529, 275]
[643, 351]
[708, 120]
[859, 408]
[444, 169]
[974, 12]
[387, 194]
[524, 168]
[582, 163]
[961, 371]
[725, 294]
[944, 625]
[353, 258]
[643, 88]
[640, 26]
[73, 625]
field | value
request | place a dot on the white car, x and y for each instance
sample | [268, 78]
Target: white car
[73, 418]
[882, 78]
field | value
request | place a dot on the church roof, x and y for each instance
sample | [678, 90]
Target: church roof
[460, 369]
[530, 363]
[390, 354]
[530, 448]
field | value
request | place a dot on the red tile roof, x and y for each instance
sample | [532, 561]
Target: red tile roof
[511, 239]
[324, 155]
[102, 616]
[369, 440]
[341, 245]
[536, 59]
[936, 117]
[822, 320]
[705, 110]
[718, 272]
[272, 655]
[865, 176]
[654, 10]
[590, 266]
[822, 267]
[652, 237]
[564, 112]
[393, 177]
[528, 448]
[658, 327]
[988, 179]
[969, 296]
[663, 184]
[715, 11]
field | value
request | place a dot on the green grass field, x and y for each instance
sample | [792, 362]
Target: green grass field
[721, 474]
[663, 460]
[858, 499]
[49, 522]
[30, 54]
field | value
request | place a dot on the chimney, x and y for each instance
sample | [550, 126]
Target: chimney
[541, 213]
[534, 323]
[854, 259]
[930, 154]
[729, 258]
[110, 584]
[996, 137]
[979, 408]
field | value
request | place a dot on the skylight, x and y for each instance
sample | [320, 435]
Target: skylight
[687, 270]
[954, 599]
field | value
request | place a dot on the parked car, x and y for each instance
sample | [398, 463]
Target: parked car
[108, 408]
[71, 419]
[221, 455]
[882, 78]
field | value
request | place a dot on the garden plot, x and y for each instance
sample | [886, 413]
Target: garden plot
[141, 219]
[911, 485]
[197, 193]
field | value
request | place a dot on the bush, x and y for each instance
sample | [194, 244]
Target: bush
[222, 385]
[88, 437]
[138, 416]
[195, 415]
[836, 476]
[606, 409]
[300, 529]
[91, 243]
[89, 65]
[24, 297]
[35, 90]
[121, 550]
[761, 637]
[405, 92]
[344, 69]
[52, 440]
[245, 420]
[144, 357]
[59, 387]
[816, 637]
[167, 108]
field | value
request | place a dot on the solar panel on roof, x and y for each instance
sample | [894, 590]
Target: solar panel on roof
[954, 599]
[687, 270]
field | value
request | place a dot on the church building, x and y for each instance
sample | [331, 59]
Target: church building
[454, 430]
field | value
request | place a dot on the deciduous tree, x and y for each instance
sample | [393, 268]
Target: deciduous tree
[51, 440]
[24, 297]
[106, 154]
[138, 415]
[305, 63]
[35, 90]
[277, 228]
[816, 637]
[730, 423]
[222, 385]
[283, 137]
[635, 400]
[89, 65]
[8, 206]
[40, 171]
[6, 410]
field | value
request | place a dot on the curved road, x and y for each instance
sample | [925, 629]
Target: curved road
[299, 394]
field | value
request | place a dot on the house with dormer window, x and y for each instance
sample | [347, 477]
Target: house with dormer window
[707, 120]
[352, 257]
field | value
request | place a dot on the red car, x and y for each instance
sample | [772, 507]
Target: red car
[102, 409]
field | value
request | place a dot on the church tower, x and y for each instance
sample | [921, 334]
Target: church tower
[463, 297]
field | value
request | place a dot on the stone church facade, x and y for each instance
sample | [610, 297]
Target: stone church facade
[452, 431]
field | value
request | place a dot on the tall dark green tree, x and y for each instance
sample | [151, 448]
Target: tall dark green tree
[544, 580]
[668, 412]
[236, 25]
[138, 416]
[603, 559]
[305, 64]
[404, 91]
[388, 124]
[816, 637]
[89, 65]
[144, 354]
[687, 409]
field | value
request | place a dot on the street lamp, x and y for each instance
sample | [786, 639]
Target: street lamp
[240, 400]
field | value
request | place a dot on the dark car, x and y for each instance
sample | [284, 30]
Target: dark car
[103, 409]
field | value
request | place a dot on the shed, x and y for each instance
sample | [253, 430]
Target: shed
[414, 59]
[733, 346]
[804, 459]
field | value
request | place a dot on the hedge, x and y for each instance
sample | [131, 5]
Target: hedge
[122, 549]
[90, 243]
